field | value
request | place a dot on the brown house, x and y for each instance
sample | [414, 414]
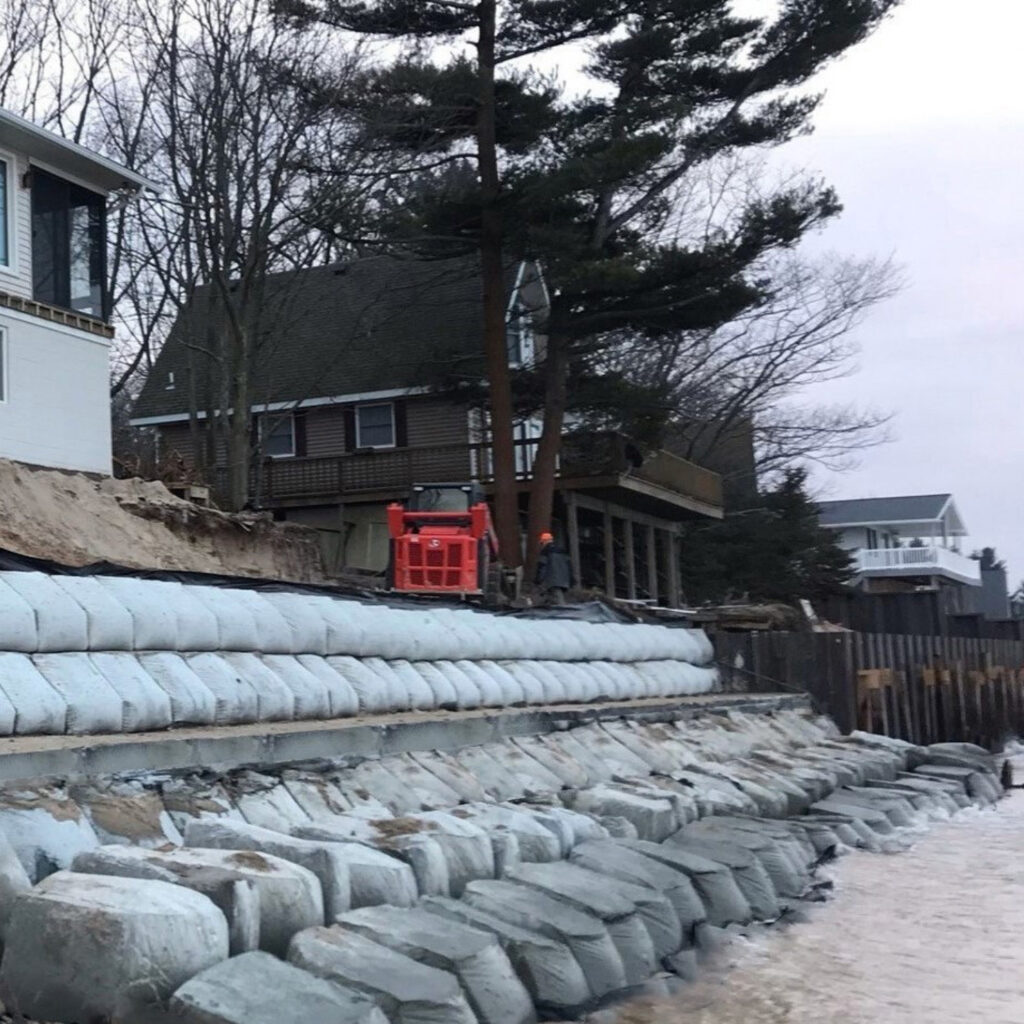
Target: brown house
[365, 374]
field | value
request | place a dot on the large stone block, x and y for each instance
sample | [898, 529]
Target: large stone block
[256, 988]
[77, 945]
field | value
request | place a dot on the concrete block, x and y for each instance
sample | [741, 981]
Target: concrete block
[45, 827]
[289, 896]
[257, 988]
[546, 966]
[474, 956]
[323, 859]
[14, 881]
[237, 899]
[126, 812]
[408, 992]
[77, 944]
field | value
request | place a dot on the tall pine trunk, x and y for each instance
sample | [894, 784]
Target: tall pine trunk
[545, 462]
[506, 504]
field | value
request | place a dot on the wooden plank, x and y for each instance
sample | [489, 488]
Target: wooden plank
[896, 711]
[929, 682]
[963, 726]
[925, 696]
[904, 676]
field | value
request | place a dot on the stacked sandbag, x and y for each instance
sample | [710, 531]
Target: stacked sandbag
[111, 654]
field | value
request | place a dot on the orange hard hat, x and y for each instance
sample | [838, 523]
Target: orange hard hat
[545, 537]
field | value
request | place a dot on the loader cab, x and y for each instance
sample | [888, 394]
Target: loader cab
[445, 497]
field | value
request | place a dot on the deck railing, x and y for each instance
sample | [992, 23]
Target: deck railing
[606, 456]
[927, 561]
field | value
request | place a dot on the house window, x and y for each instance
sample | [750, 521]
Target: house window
[68, 246]
[375, 425]
[277, 435]
[6, 200]
[519, 337]
[872, 536]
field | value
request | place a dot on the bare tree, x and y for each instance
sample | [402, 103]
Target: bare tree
[57, 58]
[759, 367]
[207, 104]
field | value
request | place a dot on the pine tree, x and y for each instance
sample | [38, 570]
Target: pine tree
[586, 183]
[776, 551]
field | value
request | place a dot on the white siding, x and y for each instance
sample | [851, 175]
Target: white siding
[57, 411]
[17, 280]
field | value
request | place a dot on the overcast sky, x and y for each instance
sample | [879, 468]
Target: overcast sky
[922, 133]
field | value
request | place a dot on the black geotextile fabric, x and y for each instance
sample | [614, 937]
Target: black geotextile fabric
[590, 611]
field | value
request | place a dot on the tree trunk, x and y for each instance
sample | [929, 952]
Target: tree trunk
[239, 428]
[545, 462]
[506, 504]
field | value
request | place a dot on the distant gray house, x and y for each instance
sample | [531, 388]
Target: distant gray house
[903, 543]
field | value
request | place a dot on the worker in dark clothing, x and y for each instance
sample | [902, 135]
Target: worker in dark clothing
[554, 570]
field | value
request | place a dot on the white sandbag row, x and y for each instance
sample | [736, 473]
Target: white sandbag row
[41, 613]
[84, 692]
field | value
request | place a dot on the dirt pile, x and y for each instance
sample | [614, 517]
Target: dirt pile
[77, 519]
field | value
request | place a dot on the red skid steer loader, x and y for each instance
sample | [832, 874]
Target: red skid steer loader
[442, 542]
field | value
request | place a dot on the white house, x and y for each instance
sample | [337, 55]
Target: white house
[903, 543]
[55, 331]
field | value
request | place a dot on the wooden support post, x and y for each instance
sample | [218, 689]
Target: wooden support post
[627, 525]
[573, 528]
[341, 553]
[609, 554]
[652, 564]
[674, 583]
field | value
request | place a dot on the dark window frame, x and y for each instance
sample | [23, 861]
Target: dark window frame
[276, 422]
[8, 220]
[359, 430]
[54, 202]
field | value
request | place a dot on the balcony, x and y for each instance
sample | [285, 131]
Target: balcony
[926, 561]
[604, 464]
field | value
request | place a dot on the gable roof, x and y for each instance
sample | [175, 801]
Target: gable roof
[908, 508]
[379, 324]
[62, 154]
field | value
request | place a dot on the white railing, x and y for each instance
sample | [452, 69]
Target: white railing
[927, 561]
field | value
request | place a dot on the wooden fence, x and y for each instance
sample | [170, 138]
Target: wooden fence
[920, 688]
